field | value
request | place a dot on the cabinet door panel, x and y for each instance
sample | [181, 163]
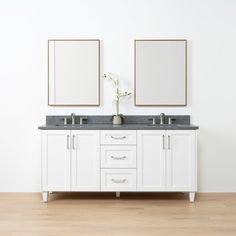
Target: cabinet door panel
[56, 160]
[151, 160]
[85, 160]
[181, 160]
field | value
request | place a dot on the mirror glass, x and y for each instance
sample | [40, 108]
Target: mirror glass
[73, 72]
[161, 72]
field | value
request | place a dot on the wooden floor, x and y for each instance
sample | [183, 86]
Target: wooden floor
[24, 214]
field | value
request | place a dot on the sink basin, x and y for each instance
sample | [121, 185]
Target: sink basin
[167, 125]
[159, 125]
[69, 125]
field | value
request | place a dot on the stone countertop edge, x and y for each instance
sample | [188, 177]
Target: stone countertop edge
[118, 127]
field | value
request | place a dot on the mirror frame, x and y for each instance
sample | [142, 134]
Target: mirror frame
[99, 71]
[186, 71]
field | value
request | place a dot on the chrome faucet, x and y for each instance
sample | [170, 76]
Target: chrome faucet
[162, 118]
[73, 118]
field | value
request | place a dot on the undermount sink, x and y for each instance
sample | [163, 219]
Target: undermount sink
[164, 125]
[167, 125]
[70, 125]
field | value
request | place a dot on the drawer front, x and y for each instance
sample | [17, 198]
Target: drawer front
[118, 137]
[118, 180]
[118, 156]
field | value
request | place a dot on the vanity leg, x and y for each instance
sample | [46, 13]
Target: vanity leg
[117, 194]
[45, 196]
[191, 197]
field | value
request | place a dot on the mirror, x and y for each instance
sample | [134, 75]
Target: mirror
[160, 72]
[73, 72]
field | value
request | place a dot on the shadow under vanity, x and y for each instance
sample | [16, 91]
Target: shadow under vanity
[137, 156]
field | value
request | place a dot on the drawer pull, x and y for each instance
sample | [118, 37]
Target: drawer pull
[68, 142]
[118, 158]
[163, 141]
[73, 141]
[169, 142]
[122, 137]
[119, 181]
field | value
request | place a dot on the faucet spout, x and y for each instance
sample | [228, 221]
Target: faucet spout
[162, 118]
[73, 118]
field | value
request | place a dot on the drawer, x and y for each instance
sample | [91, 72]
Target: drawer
[118, 180]
[118, 137]
[118, 156]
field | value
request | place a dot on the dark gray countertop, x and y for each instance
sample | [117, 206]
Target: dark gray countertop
[104, 122]
[119, 127]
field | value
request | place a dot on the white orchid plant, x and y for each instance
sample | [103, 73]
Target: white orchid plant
[118, 93]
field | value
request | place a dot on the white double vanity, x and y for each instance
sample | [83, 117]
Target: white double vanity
[126, 158]
[133, 157]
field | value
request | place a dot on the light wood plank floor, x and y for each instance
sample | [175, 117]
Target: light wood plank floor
[146, 214]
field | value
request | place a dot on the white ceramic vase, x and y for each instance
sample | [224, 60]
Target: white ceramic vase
[117, 120]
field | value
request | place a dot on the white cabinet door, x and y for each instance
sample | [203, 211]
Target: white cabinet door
[85, 160]
[151, 160]
[181, 160]
[56, 160]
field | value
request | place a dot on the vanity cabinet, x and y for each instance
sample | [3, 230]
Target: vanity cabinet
[70, 161]
[167, 161]
[119, 161]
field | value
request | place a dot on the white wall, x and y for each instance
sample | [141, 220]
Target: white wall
[25, 26]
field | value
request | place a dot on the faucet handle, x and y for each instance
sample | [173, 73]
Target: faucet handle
[170, 119]
[81, 119]
[153, 120]
[64, 120]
